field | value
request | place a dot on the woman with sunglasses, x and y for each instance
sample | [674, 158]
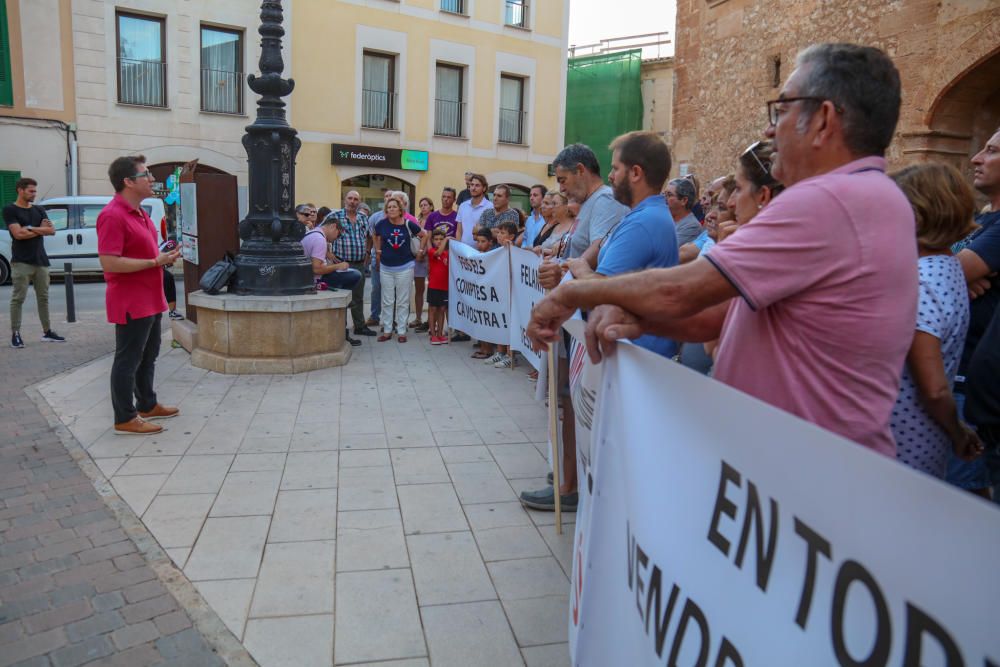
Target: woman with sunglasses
[754, 187]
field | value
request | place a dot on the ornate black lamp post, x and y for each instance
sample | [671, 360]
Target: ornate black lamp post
[271, 261]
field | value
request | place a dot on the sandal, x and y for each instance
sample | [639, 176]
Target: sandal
[479, 354]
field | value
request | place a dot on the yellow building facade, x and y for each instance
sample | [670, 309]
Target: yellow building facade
[412, 94]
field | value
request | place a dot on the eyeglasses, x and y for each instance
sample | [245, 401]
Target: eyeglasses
[773, 112]
[752, 151]
[144, 174]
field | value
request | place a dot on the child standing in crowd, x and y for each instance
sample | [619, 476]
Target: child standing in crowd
[437, 284]
[506, 232]
[484, 243]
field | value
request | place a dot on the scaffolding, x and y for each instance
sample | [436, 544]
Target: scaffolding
[603, 100]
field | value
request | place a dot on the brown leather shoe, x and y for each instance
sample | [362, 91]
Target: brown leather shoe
[160, 412]
[137, 426]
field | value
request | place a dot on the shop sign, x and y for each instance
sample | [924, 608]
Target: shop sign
[380, 158]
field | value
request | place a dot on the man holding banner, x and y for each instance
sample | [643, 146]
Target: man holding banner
[815, 299]
[646, 237]
[579, 176]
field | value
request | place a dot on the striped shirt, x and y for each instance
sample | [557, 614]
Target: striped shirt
[350, 246]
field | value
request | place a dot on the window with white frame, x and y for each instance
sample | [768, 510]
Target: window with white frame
[221, 70]
[512, 113]
[378, 91]
[449, 101]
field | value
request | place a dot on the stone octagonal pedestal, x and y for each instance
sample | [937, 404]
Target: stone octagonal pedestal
[270, 334]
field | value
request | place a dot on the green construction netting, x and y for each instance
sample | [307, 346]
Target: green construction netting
[603, 100]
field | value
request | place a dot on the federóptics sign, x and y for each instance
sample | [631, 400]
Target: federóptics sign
[379, 158]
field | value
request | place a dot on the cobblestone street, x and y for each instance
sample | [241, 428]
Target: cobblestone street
[74, 588]
[345, 516]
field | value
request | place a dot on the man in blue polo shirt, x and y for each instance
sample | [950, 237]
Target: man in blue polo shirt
[645, 238]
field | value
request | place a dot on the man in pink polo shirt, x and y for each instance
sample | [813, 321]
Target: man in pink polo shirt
[814, 300]
[132, 261]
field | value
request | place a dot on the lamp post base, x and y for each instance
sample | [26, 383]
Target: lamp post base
[264, 268]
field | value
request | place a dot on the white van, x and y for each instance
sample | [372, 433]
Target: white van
[75, 240]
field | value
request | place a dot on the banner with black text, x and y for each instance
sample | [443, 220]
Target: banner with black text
[723, 532]
[525, 292]
[479, 292]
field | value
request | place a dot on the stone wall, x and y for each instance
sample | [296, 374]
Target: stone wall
[732, 56]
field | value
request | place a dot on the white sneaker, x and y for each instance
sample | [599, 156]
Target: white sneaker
[504, 362]
[492, 360]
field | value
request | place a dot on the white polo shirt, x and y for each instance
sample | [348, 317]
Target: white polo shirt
[469, 216]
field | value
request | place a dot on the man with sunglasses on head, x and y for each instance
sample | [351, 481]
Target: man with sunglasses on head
[814, 300]
[131, 259]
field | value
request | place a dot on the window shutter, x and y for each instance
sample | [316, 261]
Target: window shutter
[7, 191]
[6, 85]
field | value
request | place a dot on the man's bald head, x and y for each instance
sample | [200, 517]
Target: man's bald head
[351, 201]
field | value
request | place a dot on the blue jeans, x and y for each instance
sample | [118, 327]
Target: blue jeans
[342, 279]
[376, 292]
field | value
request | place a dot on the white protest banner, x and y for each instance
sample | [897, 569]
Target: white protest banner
[525, 292]
[723, 532]
[479, 292]
[584, 385]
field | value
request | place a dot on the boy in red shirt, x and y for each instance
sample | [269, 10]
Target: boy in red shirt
[437, 284]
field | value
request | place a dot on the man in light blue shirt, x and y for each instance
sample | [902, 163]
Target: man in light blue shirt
[645, 238]
[534, 223]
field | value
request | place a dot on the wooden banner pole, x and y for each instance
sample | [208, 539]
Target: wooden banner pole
[554, 431]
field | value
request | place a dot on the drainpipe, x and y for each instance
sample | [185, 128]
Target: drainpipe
[74, 161]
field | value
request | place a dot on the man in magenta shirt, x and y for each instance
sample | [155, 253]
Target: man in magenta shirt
[814, 300]
[132, 261]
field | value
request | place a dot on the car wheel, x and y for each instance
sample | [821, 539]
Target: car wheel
[4, 271]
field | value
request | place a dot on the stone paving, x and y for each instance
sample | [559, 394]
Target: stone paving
[348, 516]
[74, 587]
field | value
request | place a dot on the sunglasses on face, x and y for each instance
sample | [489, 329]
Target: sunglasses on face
[144, 174]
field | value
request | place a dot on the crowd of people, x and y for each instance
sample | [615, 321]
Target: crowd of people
[860, 300]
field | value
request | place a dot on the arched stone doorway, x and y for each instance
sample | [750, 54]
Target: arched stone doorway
[965, 113]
